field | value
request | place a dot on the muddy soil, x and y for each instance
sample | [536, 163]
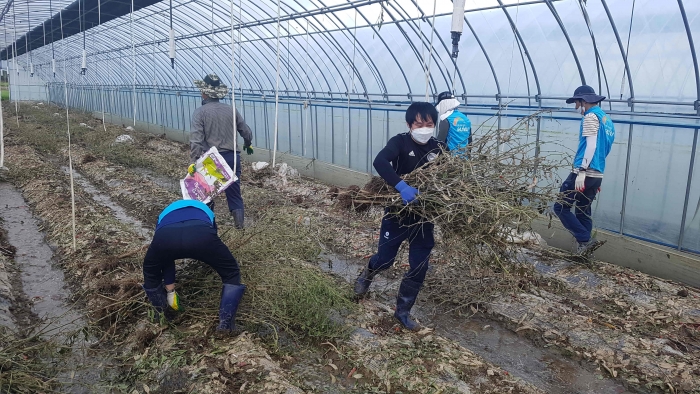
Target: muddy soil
[545, 368]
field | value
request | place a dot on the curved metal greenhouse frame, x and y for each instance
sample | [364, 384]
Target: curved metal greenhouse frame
[348, 67]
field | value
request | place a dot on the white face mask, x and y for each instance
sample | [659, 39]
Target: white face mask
[422, 135]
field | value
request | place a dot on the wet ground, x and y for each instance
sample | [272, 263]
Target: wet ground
[43, 286]
[119, 213]
[545, 368]
[42, 282]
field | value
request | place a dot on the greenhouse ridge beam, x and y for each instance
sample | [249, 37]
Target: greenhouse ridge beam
[111, 9]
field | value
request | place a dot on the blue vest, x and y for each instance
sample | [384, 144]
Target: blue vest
[606, 137]
[460, 130]
[184, 210]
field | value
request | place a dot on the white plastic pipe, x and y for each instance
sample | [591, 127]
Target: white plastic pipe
[172, 47]
[83, 66]
[70, 158]
[277, 88]
[458, 16]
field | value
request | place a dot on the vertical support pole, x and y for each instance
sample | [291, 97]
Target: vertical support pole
[369, 141]
[301, 122]
[500, 108]
[314, 133]
[627, 172]
[349, 138]
[687, 189]
[289, 125]
[177, 109]
[182, 113]
[332, 135]
[267, 127]
[387, 127]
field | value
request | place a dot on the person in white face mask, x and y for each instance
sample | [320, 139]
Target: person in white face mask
[402, 154]
[596, 137]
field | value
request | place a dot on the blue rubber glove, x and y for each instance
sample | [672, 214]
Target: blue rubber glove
[408, 193]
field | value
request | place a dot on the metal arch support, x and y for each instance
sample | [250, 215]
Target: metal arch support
[622, 50]
[411, 23]
[692, 52]
[378, 74]
[631, 126]
[522, 42]
[363, 53]
[330, 39]
[339, 73]
[388, 48]
[568, 40]
[486, 55]
[436, 58]
[202, 41]
[408, 41]
[695, 134]
[346, 32]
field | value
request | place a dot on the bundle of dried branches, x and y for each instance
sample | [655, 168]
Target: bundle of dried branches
[483, 198]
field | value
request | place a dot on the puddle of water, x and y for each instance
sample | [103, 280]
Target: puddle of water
[44, 285]
[141, 230]
[544, 368]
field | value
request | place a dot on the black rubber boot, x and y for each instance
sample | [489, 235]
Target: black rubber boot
[238, 218]
[230, 298]
[159, 300]
[211, 204]
[408, 292]
[364, 281]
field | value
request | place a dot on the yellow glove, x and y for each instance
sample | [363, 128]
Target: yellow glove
[174, 300]
[191, 169]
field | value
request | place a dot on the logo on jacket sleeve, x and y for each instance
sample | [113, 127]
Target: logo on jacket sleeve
[411, 154]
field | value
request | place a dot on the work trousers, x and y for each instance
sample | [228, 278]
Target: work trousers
[396, 229]
[580, 224]
[233, 192]
[193, 239]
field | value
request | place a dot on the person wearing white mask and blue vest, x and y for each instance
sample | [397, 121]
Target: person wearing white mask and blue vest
[596, 137]
[455, 128]
[403, 154]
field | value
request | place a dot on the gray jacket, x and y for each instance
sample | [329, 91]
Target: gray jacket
[212, 125]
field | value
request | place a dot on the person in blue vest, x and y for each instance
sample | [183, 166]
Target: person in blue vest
[187, 229]
[596, 137]
[455, 128]
[402, 154]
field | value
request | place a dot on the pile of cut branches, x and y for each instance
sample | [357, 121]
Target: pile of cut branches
[483, 199]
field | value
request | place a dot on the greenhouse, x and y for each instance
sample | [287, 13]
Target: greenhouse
[100, 105]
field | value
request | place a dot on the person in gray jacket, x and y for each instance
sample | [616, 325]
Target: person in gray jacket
[212, 125]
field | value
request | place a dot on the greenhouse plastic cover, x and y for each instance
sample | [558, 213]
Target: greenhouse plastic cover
[348, 69]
